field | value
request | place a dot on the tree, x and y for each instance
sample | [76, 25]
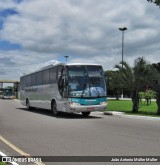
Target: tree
[113, 82]
[133, 79]
[157, 2]
[153, 79]
[147, 95]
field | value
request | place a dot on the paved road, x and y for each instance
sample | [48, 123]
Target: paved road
[39, 134]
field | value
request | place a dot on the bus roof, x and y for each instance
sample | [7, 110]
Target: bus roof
[64, 64]
[70, 64]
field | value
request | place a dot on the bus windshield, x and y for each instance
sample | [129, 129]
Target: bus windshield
[7, 92]
[86, 81]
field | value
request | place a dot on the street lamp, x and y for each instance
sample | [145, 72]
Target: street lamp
[122, 29]
[66, 57]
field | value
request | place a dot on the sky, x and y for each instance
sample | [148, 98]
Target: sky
[35, 33]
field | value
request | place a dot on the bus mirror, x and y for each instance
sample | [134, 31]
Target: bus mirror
[59, 76]
[66, 82]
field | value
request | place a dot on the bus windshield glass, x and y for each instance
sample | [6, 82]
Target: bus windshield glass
[86, 81]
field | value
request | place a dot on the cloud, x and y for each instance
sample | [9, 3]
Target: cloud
[7, 4]
[6, 61]
[14, 64]
[85, 30]
[55, 25]
[2, 71]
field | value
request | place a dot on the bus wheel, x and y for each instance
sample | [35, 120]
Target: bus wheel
[28, 105]
[86, 114]
[54, 109]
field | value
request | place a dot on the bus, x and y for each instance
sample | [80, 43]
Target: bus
[65, 87]
[7, 93]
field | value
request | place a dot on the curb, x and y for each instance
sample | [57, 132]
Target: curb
[114, 113]
[122, 114]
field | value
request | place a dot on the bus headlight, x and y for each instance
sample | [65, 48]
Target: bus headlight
[103, 103]
[74, 104]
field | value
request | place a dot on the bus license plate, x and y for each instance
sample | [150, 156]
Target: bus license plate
[90, 109]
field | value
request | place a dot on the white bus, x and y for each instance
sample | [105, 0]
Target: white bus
[65, 87]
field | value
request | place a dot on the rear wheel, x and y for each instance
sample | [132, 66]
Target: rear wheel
[86, 114]
[54, 108]
[28, 105]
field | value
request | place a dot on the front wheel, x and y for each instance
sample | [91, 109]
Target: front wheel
[86, 114]
[54, 109]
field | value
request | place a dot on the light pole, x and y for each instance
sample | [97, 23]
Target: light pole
[66, 57]
[122, 29]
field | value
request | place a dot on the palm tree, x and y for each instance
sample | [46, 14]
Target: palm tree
[133, 79]
[113, 83]
[153, 79]
[157, 2]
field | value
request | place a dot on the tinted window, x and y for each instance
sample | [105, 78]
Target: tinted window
[39, 78]
[46, 76]
[22, 82]
[28, 80]
[53, 75]
[33, 79]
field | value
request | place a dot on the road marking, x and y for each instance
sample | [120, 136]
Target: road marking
[13, 146]
[17, 149]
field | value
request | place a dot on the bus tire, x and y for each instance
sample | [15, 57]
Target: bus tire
[28, 105]
[86, 114]
[54, 108]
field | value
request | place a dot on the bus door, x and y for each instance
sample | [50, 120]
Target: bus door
[62, 87]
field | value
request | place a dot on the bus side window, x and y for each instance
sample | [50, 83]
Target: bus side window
[45, 76]
[28, 80]
[33, 79]
[39, 78]
[53, 75]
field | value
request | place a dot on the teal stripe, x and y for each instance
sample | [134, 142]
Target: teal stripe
[90, 101]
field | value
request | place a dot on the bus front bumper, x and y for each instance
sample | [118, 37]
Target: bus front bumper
[87, 108]
[7, 97]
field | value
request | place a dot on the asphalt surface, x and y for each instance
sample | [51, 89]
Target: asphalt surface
[38, 133]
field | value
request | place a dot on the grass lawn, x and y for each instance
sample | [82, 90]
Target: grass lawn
[126, 106]
[2, 163]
